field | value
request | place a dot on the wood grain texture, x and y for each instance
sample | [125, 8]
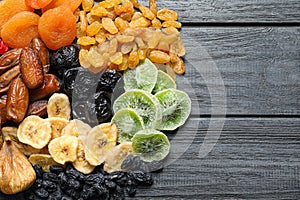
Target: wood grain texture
[254, 158]
[259, 67]
[222, 11]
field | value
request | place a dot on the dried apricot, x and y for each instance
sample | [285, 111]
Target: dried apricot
[9, 8]
[37, 4]
[72, 4]
[57, 27]
[19, 30]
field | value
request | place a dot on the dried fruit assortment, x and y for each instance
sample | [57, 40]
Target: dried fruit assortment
[113, 35]
[64, 134]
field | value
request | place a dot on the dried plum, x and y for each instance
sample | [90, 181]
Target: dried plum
[85, 85]
[108, 80]
[64, 58]
[68, 80]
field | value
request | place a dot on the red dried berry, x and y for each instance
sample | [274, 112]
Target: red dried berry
[3, 47]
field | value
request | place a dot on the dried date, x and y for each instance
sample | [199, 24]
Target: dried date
[38, 108]
[50, 85]
[17, 100]
[31, 68]
[8, 76]
[40, 48]
[3, 109]
[9, 59]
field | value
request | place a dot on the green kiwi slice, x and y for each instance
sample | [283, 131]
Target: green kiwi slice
[128, 123]
[176, 107]
[145, 104]
[164, 81]
[150, 145]
[143, 77]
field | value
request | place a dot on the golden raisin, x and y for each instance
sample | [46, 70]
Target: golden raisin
[159, 56]
[147, 12]
[93, 28]
[86, 40]
[109, 25]
[175, 24]
[167, 15]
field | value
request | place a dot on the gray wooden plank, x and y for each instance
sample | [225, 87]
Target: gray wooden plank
[247, 71]
[222, 11]
[254, 158]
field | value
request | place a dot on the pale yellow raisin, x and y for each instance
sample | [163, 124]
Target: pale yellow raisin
[178, 47]
[139, 23]
[136, 15]
[159, 56]
[169, 39]
[125, 38]
[109, 25]
[174, 24]
[116, 58]
[87, 5]
[167, 15]
[121, 24]
[141, 44]
[95, 58]
[170, 30]
[163, 46]
[113, 46]
[86, 40]
[127, 47]
[93, 28]
[92, 18]
[156, 23]
[100, 37]
[83, 54]
[99, 11]
[123, 66]
[147, 12]
[133, 59]
[153, 6]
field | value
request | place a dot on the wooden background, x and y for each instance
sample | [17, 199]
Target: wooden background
[255, 46]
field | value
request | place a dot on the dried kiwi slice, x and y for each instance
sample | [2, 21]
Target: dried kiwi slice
[164, 81]
[143, 77]
[128, 123]
[145, 104]
[176, 108]
[150, 145]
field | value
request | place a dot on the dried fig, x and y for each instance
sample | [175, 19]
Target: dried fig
[17, 101]
[50, 85]
[31, 68]
[16, 172]
[40, 48]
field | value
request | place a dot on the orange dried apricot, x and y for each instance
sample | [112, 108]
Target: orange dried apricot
[72, 4]
[9, 8]
[19, 30]
[37, 4]
[57, 27]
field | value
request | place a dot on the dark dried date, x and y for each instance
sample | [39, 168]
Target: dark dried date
[9, 59]
[17, 101]
[31, 68]
[50, 85]
[40, 48]
[3, 109]
[38, 108]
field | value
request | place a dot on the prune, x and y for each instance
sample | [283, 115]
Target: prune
[64, 58]
[108, 81]
[56, 169]
[103, 107]
[50, 177]
[41, 192]
[85, 85]
[68, 80]
[38, 170]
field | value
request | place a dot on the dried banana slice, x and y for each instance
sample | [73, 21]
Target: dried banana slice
[63, 149]
[81, 164]
[76, 128]
[59, 106]
[110, 130]
[116, 156]
[44, 160]
[96, 145]
[57, 125]
[34, 131]
[24, 148]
